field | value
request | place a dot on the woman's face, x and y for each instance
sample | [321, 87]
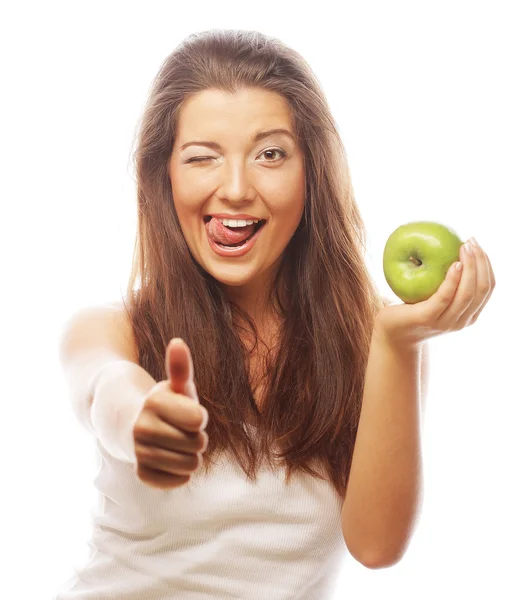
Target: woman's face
[238, 176]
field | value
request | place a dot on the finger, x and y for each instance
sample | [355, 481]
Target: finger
[436, 306]
[487, 281]
[493, 279]
[465, 294]
[169, 415]
[179, 368]
[159, 479]
[483, 284]
[177, 463]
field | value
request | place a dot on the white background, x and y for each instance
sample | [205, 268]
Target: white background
[420, 94]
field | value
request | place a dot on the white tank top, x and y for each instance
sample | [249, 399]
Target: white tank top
[220, 536]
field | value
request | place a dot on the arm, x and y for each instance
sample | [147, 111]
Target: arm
[118, 394]
[384, 491]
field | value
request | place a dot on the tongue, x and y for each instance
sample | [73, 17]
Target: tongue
[223, 235]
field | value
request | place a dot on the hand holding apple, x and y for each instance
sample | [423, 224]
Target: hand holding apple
[457, 302]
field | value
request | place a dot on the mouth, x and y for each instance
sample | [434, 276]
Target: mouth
[239, 249]
[258, 226]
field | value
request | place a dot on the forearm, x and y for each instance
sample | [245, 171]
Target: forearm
[384, 490]
[118, 395]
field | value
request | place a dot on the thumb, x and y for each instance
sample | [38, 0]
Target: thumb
[179, 368]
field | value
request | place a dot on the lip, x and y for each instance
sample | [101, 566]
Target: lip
[233, 252]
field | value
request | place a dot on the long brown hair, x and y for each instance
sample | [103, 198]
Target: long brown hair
[322, 290]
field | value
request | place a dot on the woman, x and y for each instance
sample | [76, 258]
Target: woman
[308, 377]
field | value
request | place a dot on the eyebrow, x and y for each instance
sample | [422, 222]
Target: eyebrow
[255, 138]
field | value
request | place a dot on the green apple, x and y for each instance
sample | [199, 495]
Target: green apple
[417, 257]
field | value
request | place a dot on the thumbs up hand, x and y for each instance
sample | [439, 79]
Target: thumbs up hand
[169, 432]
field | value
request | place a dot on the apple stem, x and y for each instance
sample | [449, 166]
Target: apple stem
[417, 262]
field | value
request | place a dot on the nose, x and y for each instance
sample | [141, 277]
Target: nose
[234, 182]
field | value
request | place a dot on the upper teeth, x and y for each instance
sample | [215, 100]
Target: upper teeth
[238, 222]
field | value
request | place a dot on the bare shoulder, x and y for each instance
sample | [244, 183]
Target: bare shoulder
[103, 329]
[120, 319]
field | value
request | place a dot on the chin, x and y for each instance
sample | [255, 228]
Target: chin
[232, 276]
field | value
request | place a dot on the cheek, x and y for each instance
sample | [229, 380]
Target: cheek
[286, 219]
[187, 201]
[184, 186]
[187, 216]
[289, 205]
[289, 210]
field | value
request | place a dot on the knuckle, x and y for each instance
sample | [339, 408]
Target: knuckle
[160, 480]
[142, 472]
[175, 463]
[204, 441]
[201, 442]
[153, 401]
[142, 430]
[145, 426]
[195, 444]
[143, 452]
[199, 416]
[194, 418]
[182, 464]
[444, 300]
[194, 461]
[159, 395]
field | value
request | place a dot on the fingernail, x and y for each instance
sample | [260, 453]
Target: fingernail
[175, 340]
[474, 242]
[468, 248]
